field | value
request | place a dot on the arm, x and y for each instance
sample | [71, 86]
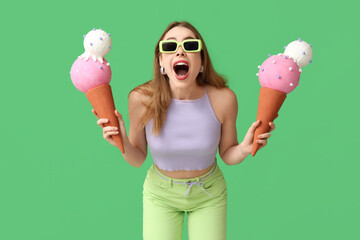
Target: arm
[230, 151]
[135, 146]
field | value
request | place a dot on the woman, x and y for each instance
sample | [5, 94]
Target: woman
[184, 114]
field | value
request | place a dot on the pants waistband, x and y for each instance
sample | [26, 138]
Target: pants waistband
[190, 183]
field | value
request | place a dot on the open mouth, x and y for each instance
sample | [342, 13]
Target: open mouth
[181, 69]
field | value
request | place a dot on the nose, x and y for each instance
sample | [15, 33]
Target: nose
[180, 51]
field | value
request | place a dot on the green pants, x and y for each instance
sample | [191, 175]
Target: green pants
[165, 201]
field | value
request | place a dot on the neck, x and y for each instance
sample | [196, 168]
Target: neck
[187, 92]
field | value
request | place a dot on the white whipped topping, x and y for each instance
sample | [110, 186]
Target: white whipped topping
[97, 44]
[300, 51]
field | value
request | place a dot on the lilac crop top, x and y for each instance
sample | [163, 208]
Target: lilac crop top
[189, 137]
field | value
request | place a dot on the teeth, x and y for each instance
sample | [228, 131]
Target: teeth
[181, 63]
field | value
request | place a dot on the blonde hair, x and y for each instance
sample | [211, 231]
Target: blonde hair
[158, 91]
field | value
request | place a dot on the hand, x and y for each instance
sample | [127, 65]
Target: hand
[110, 130]
[247, 144]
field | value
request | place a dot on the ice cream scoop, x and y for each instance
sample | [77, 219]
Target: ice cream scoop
[91, 74]
[300, 51]
[97, 44]
[86, 75]
[279, 72]
[278, 76]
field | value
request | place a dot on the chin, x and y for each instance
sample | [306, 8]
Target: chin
[182, 82]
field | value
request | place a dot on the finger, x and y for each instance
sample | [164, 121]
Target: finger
[109, 128]
[272, 126]
[250, 133]
[101, 122]
[265, 135]
[262, 142]
[110, 133]
[253, 126]
[122, 125]
[117, 113]
[256, 123]
[93, 110]
[119, 116]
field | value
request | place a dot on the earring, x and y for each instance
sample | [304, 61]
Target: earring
[202, 68]
[162, 70]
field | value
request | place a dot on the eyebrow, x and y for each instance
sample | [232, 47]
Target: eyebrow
[184, 38]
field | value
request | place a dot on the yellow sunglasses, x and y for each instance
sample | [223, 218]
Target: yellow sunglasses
[189, 45]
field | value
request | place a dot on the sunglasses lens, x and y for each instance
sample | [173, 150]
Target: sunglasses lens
[169, 46]
[191, 45]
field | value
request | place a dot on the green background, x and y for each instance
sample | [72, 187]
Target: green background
[59, 179]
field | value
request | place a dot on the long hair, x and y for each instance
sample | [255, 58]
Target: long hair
[158, 91]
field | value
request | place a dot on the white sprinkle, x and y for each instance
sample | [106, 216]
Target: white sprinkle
[259, 66]
[257, 74]
[300, 70]
[291, 84]
[108, 64]
[290, 68]
[274, 61]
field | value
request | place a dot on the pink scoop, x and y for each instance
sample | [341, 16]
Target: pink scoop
[279, 72]
[89, 74]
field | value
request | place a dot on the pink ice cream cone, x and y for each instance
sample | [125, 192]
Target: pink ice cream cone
[91, 74]
[278, 76]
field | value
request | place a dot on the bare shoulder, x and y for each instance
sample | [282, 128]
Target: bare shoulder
[222, 100]
[137, 97]
[137, 101]
[218, 93]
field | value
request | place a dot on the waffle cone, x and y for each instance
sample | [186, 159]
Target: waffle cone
[270, 101]
[102, 100]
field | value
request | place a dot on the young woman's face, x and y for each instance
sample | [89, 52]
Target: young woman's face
[180, 75]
